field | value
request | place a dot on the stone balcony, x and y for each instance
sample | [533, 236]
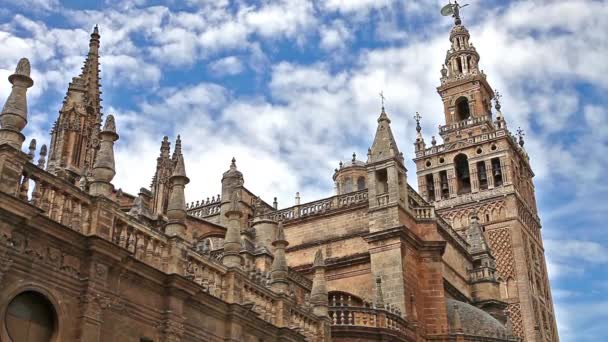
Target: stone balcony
[352, 323]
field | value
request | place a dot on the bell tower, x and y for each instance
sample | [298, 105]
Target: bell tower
[482, 170]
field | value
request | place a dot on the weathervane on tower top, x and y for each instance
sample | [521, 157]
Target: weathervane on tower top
[453, 9]
[383, 98]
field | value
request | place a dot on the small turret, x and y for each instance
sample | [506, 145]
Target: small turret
[232, 240]
[103, 168]
[279, 270]
[318, 293]
[14, 114]
[176, 207]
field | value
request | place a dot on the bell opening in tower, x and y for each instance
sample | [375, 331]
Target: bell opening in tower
[462, 109]
[445, 189]
[463, 175]
[497, 171]
[430, 187]
[482, 175]
[381, 182]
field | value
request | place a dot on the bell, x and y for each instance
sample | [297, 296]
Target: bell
[431, 187]
[444, 186]
[497, 172]
[483, 176]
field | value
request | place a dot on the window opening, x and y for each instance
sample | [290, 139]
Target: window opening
[463, 176]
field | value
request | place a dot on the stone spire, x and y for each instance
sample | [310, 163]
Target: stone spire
[75, 134]
[384, 145]
[160, 181]
[103, 169]
[176, 206]
[14, 113]
[475, 238]
[232, 240]
[232, 181]
[178, 148]
[318, 293]
[279, 270]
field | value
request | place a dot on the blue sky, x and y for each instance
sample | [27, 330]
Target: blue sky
[290, 88]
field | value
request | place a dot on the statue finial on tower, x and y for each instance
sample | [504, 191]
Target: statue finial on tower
[453, 9]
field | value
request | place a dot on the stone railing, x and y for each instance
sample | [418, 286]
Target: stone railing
[143, 243]
[262, 300]
[367, 317]
[473, 197]
[320, 207]
[424, 213]
[59, 200]
[414, 197]
[482, 273]
[206, 273]
[205, 211]
[472, 140]
[382, 199]
[305, 322]
[464, 124]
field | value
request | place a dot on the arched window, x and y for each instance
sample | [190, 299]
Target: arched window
[462, 109]
[347, 185]
[461, 162]
[30, 317]
[361, 183]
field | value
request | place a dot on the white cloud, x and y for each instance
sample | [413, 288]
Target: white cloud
[335, 36]
[230, 65]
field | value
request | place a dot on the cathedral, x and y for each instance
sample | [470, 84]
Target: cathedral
[461, 259]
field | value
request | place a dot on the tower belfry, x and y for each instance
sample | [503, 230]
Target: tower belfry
[75, 133]
[482, 171]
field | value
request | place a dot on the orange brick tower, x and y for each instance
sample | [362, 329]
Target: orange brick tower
[482, 170]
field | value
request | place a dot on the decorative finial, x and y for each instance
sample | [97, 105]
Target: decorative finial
[42, 159]
[382, 98]
[497, 97]
[520, 135]
[341, 164]
[23, 67]
[453, 9]
[433, 141]
[32, 150]
[354, 157]
[110, 124]
[417, 117]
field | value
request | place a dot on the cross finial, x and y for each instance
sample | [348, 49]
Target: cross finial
[497, 97]
[417, 117]
[383, 98]
[520, 135]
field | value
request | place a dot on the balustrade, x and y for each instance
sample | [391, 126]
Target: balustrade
[320, 207]
[382, 199]
[59, 200]
[143, 243]
[367, 317]
[424, 213]
[205, 273]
